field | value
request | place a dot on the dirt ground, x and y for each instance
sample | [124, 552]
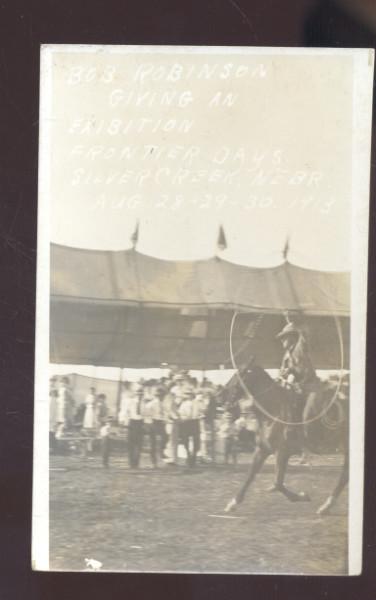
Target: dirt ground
[163, 520]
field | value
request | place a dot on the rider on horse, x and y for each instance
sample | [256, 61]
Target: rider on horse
[301, 401]
[297, 373]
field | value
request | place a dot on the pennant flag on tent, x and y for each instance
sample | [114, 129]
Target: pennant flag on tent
[134, 238]
[286, 248]
[221, 242]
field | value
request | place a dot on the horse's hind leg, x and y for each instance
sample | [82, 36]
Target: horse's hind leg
[260, 454]
[342, 482]
[282, 458]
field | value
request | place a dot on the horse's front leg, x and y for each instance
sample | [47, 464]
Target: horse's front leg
[260, 454]
[342, 482]
[282, 458]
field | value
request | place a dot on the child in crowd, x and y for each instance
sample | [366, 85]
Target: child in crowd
[105, 433]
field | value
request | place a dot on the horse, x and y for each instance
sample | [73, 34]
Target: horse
[322, 432]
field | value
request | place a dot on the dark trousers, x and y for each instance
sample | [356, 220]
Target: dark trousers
[155, 430]
[135, 435]
[105, 450]
[210, 429]
[190, 429]
[230, 449]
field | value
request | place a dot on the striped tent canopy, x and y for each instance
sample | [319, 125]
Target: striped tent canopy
[126, 309]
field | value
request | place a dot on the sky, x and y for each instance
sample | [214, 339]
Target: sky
[184, 142]
[291, 115]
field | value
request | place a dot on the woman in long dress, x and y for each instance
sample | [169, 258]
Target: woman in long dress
[63, 403]
[90, 417]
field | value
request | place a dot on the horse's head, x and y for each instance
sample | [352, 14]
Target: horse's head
[234, 386]
[255, 378]
[248, 368]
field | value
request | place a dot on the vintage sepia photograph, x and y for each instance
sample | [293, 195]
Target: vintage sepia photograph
[201, 309]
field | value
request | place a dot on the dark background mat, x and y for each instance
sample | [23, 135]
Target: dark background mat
[24, 25]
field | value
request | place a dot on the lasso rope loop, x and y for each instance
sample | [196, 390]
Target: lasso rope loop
[263, 410]
[331, 423]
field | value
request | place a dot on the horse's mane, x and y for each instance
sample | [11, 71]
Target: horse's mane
[261, 386]
[258, 380]
[268, 393]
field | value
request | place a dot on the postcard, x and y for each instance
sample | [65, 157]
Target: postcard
[201, 309]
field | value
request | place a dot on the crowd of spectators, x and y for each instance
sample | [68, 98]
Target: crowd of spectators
[176, 414]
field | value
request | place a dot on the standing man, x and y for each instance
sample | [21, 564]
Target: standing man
[155, 424]
[126, 394]
[135, 426]
[172, 402]
[190, 415]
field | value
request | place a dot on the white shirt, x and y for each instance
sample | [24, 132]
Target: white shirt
[153, 410]
[134, 408]
[190, 409]
[178, 392]
[170, 408]
[125, 395]
[105, 430]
